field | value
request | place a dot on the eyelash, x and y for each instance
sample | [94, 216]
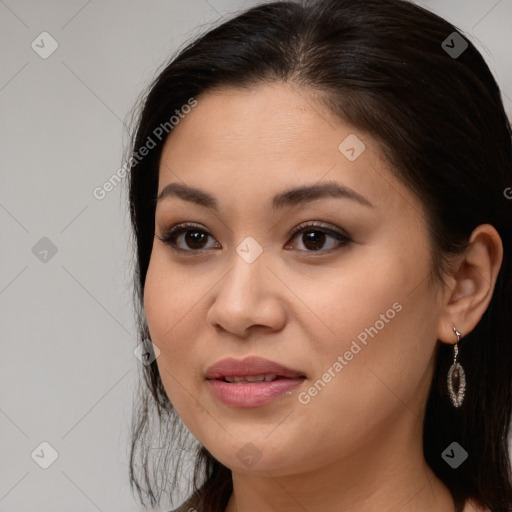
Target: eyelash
[177, 230]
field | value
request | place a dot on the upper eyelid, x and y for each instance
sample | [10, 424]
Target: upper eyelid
[184, 226]
[318, 225]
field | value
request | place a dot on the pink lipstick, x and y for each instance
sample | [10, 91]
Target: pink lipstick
[252, 381]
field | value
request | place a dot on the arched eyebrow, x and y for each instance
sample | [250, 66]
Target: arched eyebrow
[293, 197]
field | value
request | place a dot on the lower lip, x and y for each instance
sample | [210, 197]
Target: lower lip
[252, 394]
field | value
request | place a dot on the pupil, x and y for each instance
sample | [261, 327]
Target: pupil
[312, 241]
[192, 240]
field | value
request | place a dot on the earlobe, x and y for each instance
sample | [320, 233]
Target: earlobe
[473, 280]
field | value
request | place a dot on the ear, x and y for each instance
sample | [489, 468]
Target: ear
[471, 283]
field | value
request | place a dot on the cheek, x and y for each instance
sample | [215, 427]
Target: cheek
[379, 344]
[171, 298]
[170, 304]
[175, 307]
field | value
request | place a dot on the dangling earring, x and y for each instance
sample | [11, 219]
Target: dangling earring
[456, 376]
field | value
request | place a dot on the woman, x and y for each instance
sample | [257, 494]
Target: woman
[318, 193]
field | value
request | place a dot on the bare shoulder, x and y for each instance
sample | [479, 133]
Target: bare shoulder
[473, 507]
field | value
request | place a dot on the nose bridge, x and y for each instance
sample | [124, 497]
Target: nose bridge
[246, 296]
[248, 267]
[249, 250]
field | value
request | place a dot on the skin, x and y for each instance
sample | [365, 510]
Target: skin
[357, 445]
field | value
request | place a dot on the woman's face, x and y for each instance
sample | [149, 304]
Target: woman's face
[354, 315]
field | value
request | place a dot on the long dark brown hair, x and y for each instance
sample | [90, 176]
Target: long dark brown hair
[383, 66]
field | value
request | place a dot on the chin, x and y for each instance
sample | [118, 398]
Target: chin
[256, 455]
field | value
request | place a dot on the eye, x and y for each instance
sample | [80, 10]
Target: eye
[194, 237]
[314, 237]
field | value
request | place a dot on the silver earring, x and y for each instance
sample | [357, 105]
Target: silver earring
[456, 376]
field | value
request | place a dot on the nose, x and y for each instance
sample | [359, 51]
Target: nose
[249, 297]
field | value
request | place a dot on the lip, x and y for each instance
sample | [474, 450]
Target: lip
[251, 394]
[252, 365]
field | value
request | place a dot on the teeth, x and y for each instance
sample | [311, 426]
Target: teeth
[267, 377]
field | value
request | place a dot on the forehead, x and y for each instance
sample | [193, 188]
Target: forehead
[270, 119]
[248, 143]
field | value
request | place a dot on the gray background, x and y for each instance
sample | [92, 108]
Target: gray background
[67, 368]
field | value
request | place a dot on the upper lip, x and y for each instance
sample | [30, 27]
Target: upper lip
[252, 365]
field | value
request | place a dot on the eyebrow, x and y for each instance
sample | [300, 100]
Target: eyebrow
[287, 199]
